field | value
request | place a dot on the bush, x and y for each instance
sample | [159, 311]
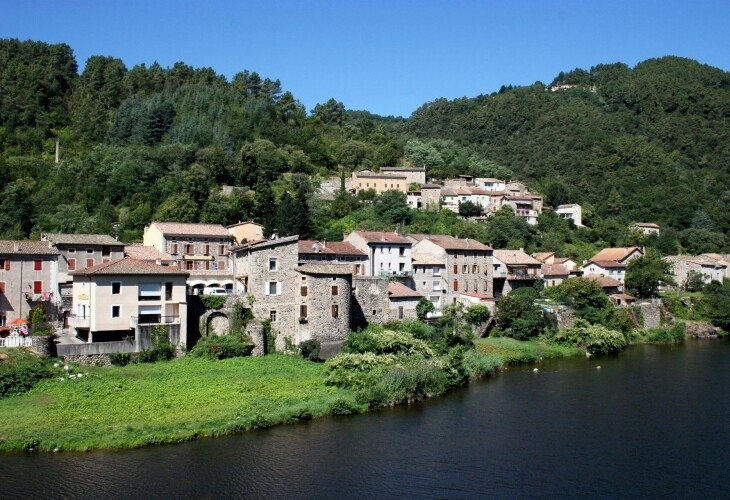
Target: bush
[120, 358]
[353, 369]
[21, 371]
[309, 349]
[400, 384]
[664, 335]
[518, 317]
[213, 301]
[380, 341]
[596, 339]
[226, 346]
[478, 364]
[162, 348]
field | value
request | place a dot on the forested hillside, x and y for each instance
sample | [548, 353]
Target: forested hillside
[644, 144]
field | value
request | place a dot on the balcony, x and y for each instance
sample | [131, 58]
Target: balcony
[153, 319]
[394, 274]
[75, 321]
[39, 297]
[522, 275]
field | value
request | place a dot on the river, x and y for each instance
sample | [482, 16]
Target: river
[650, 423]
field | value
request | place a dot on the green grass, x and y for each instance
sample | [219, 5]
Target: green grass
[511, 351]
[136, 405]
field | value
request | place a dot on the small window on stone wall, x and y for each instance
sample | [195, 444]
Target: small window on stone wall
[305, 291]
[335, 290]
[335, 310]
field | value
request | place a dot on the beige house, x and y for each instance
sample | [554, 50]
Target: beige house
[28, 279]
[553, 274]
[572, 211]
[380, 182]
[202, 250]
[244, 232]
[612, 262]
[128, 298]
[514, 269]
[445, 267]
[389, 253]
[413, 175]
[80, 251]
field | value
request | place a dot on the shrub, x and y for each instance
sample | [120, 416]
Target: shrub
[424, 307]
[518, 317]
[226, 346]
[478, 364]
[596, 339]
[352, 369]
[120, 358]
[398, 384]
[162, 348]
[666, 335]
[309, 349]
[21, 371]
[381, 341]
[214, 301]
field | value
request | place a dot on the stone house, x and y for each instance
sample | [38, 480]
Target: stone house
[722, 259]
[389, 253]
[402, 301]
[513, 269]
[334, 252]
[446, 267]
[710, 269]
[28, 279]
[413, 175]
[490, 184]
[380, 182]
[646, 228]
[129, 298]
[76, 252]
[553, 274]
[303, 302]
[427, 197]
[202, 250]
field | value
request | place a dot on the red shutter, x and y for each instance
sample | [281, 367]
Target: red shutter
[37, 287]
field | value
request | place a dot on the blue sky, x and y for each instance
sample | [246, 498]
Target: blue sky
[387, 57]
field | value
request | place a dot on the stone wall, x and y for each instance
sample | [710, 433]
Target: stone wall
[652, 315]
[255, 330]
[369, 301]
[321, 323]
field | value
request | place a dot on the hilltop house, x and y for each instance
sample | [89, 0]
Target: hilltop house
[646, 228]
[572, 212]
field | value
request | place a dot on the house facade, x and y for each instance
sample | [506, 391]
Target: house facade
[388, 253]
[380, 182]
[513, 269]
[243, 232]
[202, 250]
[710, 269]
[413, 175]
[572, 212]
[129, 298]
[334, 252]
[612, 262]
[28, 279]
[77, 252]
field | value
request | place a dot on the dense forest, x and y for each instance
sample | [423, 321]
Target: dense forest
[648, 144]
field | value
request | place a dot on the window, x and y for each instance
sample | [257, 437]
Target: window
[436, 270]
[89, 262]
[222, 250]
[436, 286]
[304, 291]
[106, 251]
[464, 269]
[303, 311]
[150, 291]
[474, 268]
[2, 287]
[89, 250]
[5, 264]
[335, 290]
[335, 310]
[206, 249]
[71, 264]
[189, 265]
[357, 268]
[38, 265]
[402, 251]
[150, 314]
[402, 267]
[37, 287]
[272, 315]
[189, 249]
[456, 286]
[3, 320]
[375, 311]
[456, 268]
[168, 290]
[273, 288]
[116, 287]
[71, 250]
[400, 312]
[116, 311]
[272, 263]
[221, 265]
[173, 249]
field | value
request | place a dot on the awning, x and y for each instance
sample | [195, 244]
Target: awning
[18, 322]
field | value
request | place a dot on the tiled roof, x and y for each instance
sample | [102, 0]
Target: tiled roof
[623, 296]
[451, 243]
[648, 225]
[146, 253]
[404, 169]
[27, 247]
[570, 205]
[704, 260]
[327, 269]
[255, 245]
[554, 270]
[430, 186]
[606, 264]
[190, 229]
[480, 296]
[427, 260]
[129, 265]
[329, 248]
[604, 281]
[617, 254]
[376, 175]
[398, 290]
[81, 239]
[382, 237]
[344, 248]
[543, 256]
[515, 257]
[562, 260]
[245, 223]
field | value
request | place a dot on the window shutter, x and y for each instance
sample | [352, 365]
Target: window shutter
[278, 288]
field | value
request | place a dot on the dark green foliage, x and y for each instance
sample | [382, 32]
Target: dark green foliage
[518, 317]
[580, 293]
[213, 302]
[424, 307]
[269, 336]
[469, 209]
[309, 349]
[477, 315]
[695, 281]
[645, 274]
[21, 371]
[222, 347]
[716, 304]
[39, 324]
[120, 358]
[595, 339]
[665, 335]
[162, 349]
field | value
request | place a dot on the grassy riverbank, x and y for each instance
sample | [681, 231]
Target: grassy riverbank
[179, 400]
[137, 405]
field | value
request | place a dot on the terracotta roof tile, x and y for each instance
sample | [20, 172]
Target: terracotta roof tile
[81, 239]
[554, 270]
[129, 265]
[146, 253]
[452, 243]
[604, 281]
[398, 290]
[515, 257]
[617, 254]
[382, 237]
[27, 247]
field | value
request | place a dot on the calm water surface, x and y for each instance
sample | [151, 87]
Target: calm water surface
[651, 423]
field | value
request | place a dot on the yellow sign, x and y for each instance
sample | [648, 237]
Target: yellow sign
[83, 296]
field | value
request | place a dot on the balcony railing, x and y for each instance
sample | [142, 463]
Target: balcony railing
[396, 274]
[522, 276]
[152, 319]
[75, 321]
[39, 297]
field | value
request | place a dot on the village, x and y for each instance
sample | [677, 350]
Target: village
[103, 296]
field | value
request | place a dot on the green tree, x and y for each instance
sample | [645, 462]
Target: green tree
[424, 307]
[469, 209]
[645, 274]
[332, 112]
[392, 206]
[518, 317]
